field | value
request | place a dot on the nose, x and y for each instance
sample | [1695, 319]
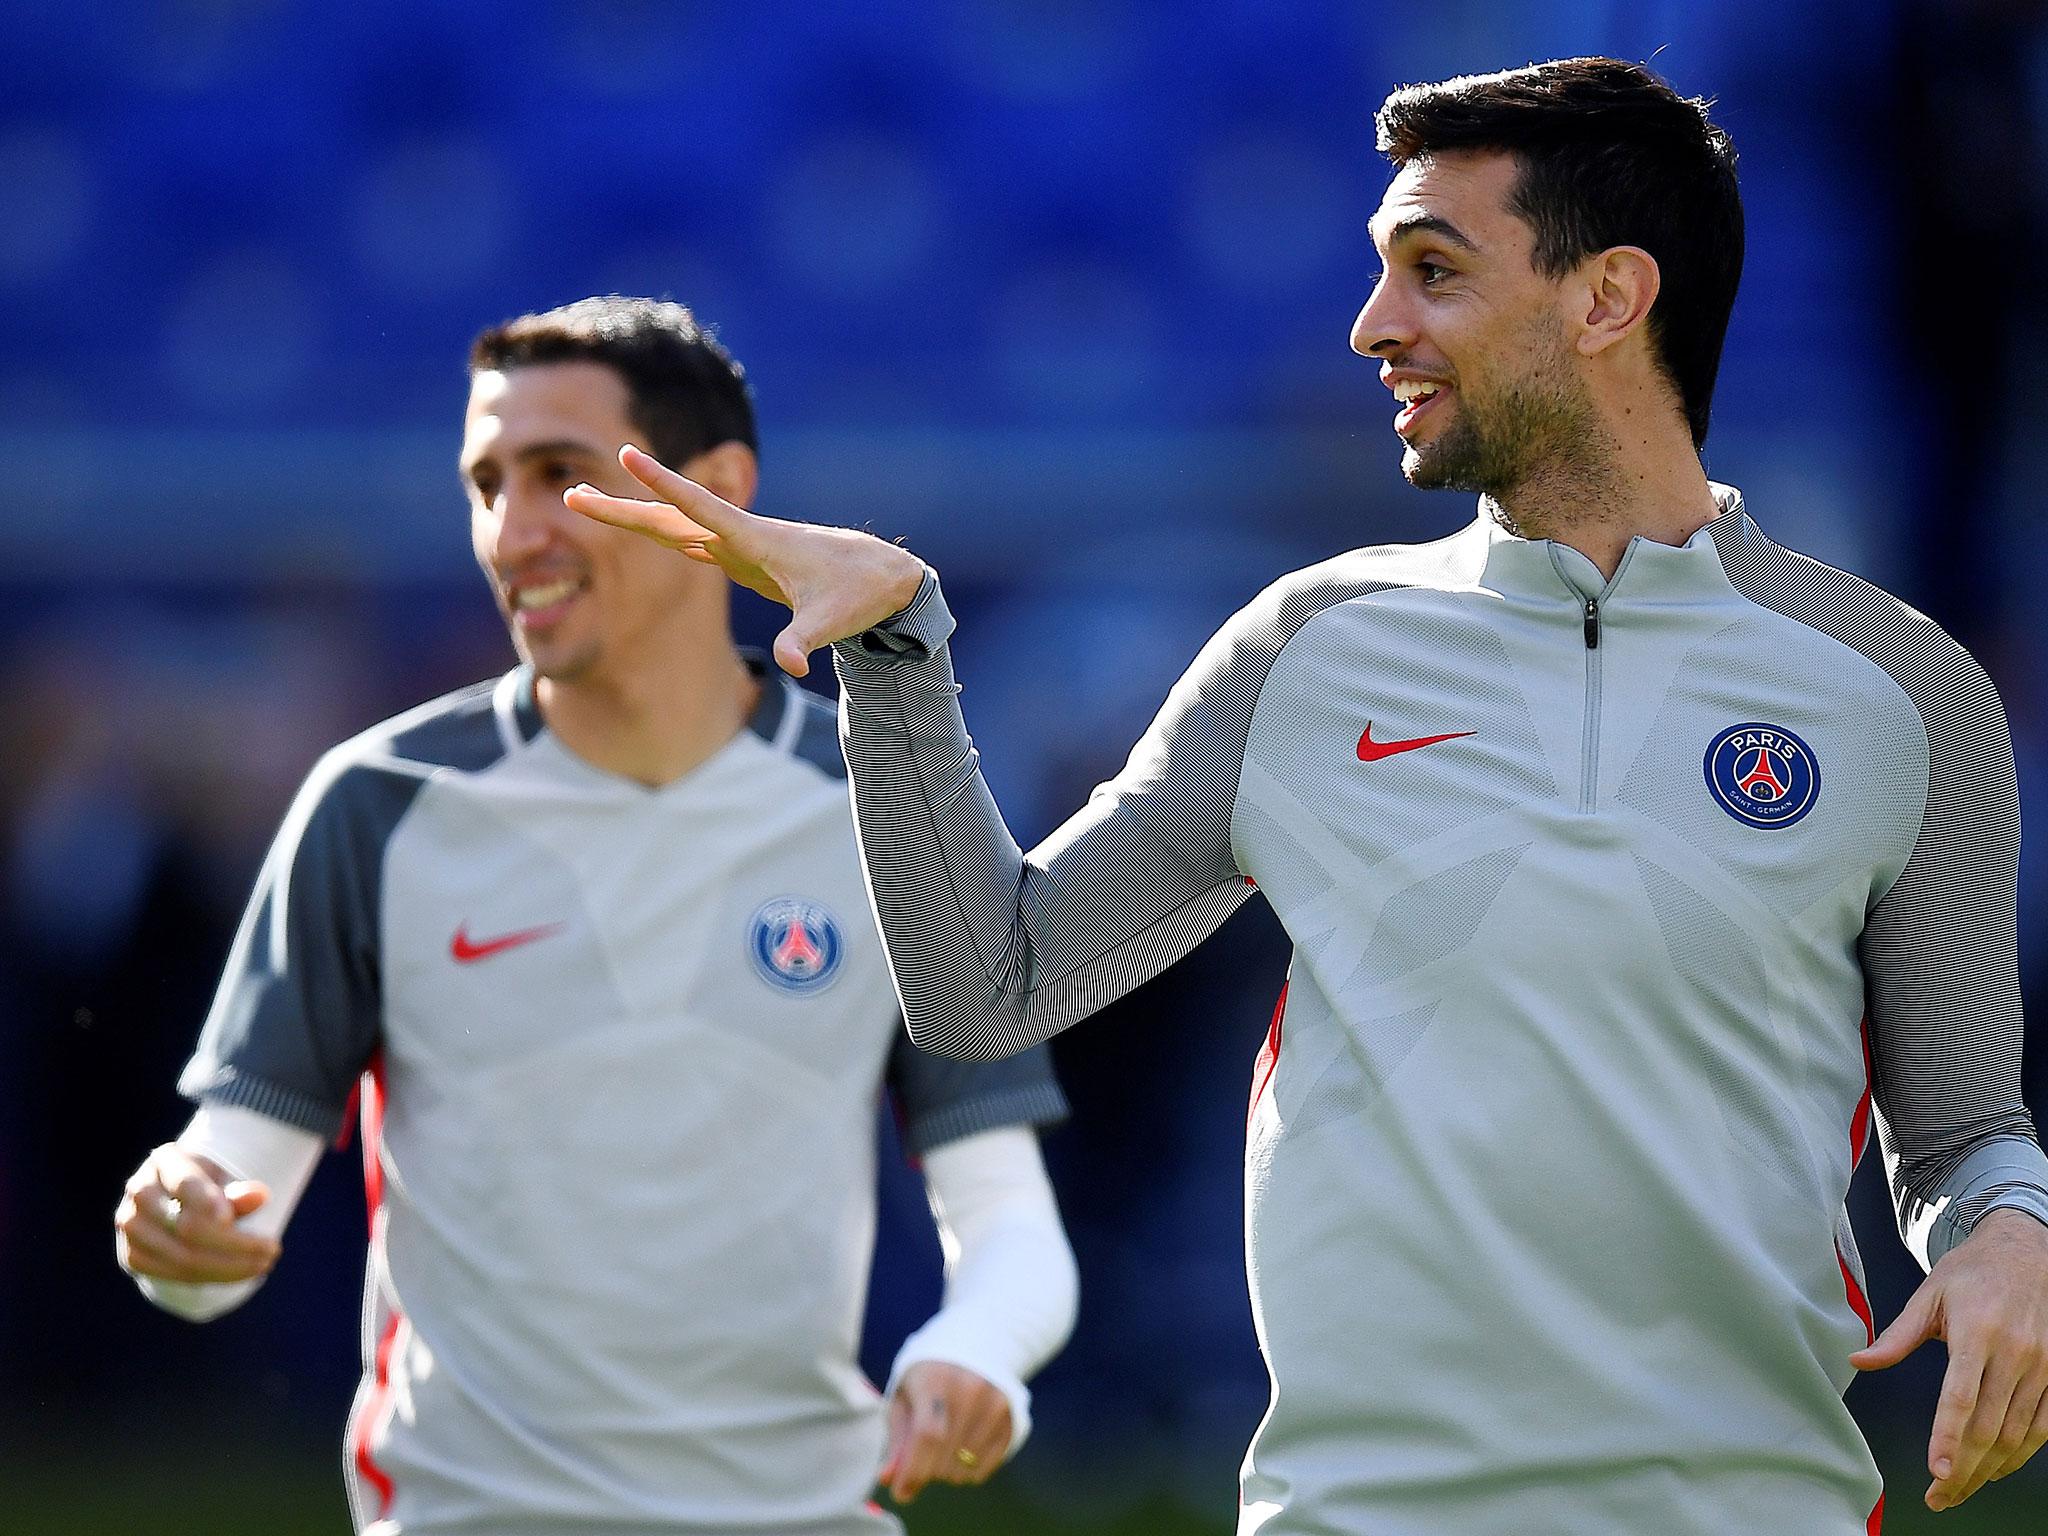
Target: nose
[528, 521]
[1385, 327]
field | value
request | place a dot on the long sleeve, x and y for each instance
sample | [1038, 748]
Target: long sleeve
[994, 949]
[1941, 969]
[1011, 1285]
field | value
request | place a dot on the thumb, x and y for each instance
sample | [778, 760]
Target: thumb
[899, 1436]
[1914, 1326]
[793, 649]
[246, 1195]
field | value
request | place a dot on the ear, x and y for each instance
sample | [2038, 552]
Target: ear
[729, 471]
[1619, 286]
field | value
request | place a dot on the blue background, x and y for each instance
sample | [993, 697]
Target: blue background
[1059, 292]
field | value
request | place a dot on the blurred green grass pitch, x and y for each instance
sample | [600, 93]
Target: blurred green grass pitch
[171, 1479]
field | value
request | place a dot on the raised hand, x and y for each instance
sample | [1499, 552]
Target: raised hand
[177, 1221]
[946, 1425]
[1988, 1297]
[834, 581]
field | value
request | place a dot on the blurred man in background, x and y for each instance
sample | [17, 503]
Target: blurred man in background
[1632, 861]
[593, 940]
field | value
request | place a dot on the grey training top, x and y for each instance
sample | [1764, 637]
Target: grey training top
[626, 1046]
[1593, 886]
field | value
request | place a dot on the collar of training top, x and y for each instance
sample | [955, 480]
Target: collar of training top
[1649, 571]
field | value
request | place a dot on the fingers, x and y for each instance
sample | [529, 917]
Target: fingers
[899, 1436]
[1914, 1326]
[155, 1252]
[658, 520]
[1992, 1308]
[985, 1435]
[1957, 1443]
[927, 1445]
[2006, 1428]
[2025, 1430]
[176, 1221]
[1958, 1401]
[947, 1425]
[712, 512]
[193, 1182]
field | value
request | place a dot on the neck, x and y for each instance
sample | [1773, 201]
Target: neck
[652, 724]
[1609, 488]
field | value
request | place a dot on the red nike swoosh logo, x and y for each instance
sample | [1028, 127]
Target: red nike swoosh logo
[1370, 751]
[467, 951]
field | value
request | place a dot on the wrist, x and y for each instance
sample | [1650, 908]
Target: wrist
[2019, 1222]
[905, 583]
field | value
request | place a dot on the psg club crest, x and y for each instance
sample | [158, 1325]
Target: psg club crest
[1762, 775]
[795, 945]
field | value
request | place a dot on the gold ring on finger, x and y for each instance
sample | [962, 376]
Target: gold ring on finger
[966, 1458]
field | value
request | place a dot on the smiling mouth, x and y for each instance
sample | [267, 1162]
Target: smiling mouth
[1415, 397]
[541, 605]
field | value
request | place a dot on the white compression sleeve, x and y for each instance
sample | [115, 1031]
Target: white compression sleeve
[1011, 1285]
[247, 1145]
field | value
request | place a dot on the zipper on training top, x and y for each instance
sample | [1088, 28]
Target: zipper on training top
[1589, 755]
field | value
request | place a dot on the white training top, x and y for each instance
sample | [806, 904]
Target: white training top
[1598, 888]
[624, 1047]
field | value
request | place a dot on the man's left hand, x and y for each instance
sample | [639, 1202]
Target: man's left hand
[946, 1425]
[1988, 1298]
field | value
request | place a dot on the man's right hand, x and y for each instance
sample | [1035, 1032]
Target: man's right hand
[176, 1221]
[834, 581]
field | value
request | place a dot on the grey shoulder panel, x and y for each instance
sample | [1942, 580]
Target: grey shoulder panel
[299, 1011]
[1940, 949]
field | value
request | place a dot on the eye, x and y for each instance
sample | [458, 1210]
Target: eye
[483, 486]
[558, 472]
[1431, 272]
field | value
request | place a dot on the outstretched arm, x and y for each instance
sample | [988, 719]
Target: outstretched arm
[993, 949]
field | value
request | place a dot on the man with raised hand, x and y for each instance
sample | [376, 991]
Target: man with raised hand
[594, 938]
[1635, 866]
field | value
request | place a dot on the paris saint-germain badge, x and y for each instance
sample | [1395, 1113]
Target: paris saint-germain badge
[795, 944]
[1762, 775]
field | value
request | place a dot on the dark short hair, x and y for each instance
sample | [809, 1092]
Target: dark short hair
[1609, 155]
[686, 392]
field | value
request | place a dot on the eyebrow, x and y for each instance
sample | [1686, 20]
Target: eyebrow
[553, 448]
[1427, 224]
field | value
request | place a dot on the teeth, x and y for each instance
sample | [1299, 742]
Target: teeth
[542, 597]
[1408, 391]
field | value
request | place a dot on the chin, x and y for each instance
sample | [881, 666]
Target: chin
[1456, 461]
[557, 663]
[1428, 471]
[563, 667]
